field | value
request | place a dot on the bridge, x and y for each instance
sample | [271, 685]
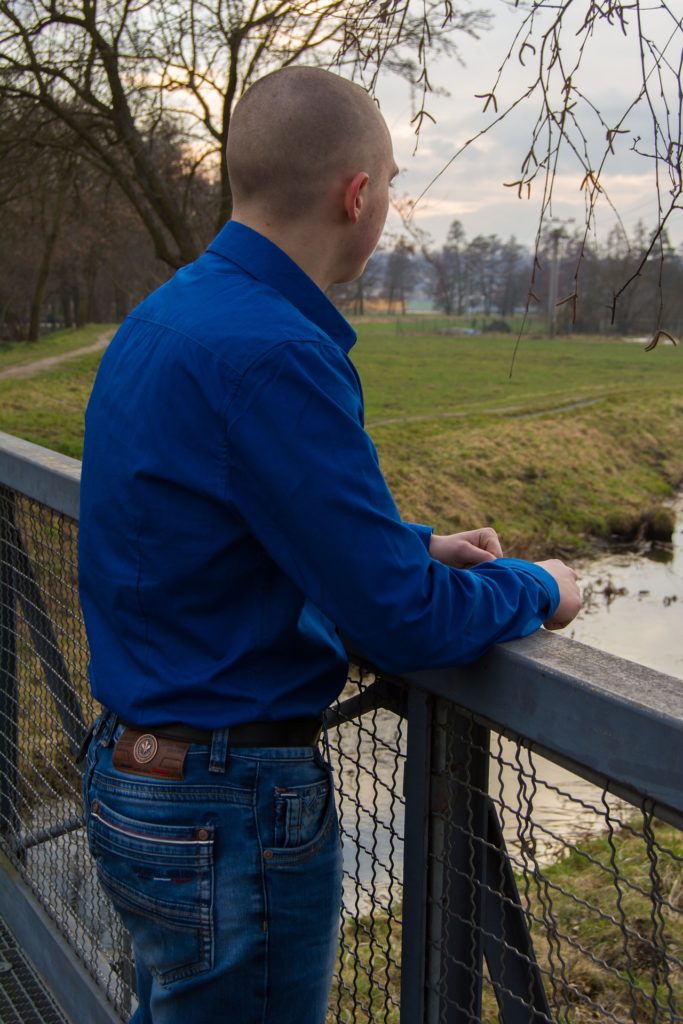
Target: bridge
[467, 897]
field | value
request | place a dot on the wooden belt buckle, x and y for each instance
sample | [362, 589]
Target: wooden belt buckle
[143, 753]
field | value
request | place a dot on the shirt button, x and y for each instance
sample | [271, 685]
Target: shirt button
[95, 806]
[202, 834]
[267, 854]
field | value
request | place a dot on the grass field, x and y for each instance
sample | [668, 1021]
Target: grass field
[582, 446]
[48, 407]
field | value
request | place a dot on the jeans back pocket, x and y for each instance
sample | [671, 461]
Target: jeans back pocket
[160, 880]
[299, 811]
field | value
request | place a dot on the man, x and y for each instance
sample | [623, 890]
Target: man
[234, 521]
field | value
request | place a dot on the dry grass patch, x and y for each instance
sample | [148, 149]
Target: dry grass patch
[549, 484]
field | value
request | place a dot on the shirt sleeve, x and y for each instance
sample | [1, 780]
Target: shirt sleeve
[423, 532]
[305, 477]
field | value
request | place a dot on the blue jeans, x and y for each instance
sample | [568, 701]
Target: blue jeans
[229, 880]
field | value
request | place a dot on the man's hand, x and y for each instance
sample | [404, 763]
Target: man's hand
[462, 550]
[570, 595]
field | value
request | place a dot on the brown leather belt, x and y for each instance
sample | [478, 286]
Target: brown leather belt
[290, 732]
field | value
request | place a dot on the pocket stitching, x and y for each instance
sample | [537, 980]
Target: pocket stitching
[193, 919]
[196, 916]
[294, 854]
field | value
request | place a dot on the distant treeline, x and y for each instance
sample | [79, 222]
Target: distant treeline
[495, 277]
[77, 246]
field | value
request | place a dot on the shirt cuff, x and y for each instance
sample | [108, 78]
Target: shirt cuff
[423, 532]
[541, 576]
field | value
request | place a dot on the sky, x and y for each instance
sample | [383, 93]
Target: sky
[471, 189]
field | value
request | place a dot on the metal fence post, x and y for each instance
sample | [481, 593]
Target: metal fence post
[416, 786]
[458, 859]
[508, 945]
[8, 668]
[39, 624]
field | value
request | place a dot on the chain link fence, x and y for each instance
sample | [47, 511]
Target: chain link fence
[367, 747]
[482, 882]
[572, 896]
[548, 898]
[45, 710]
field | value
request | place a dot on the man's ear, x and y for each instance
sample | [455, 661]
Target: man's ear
[354, 196]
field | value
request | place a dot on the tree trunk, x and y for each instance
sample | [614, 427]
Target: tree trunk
[43, 275]
[91, 310]
[77, 305]
[13, 322]
[39, 289]
[65, 303]
[121, 304]
[360, 304]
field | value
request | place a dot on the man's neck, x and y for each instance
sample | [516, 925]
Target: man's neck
[301, 243]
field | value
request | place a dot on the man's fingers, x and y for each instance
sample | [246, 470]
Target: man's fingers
[472, 554]
[463, 550]
[488, 540]
[570, 594]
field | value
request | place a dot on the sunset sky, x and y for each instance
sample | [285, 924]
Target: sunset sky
[472, 190]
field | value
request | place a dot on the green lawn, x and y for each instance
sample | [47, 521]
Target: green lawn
[463, 445]
[419, 375]
[48, 407]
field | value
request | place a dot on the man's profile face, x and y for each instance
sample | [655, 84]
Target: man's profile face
[376, 205]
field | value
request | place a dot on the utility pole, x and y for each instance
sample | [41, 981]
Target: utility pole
[555, 235]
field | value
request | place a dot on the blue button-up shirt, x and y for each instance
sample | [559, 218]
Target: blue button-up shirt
[234, 518]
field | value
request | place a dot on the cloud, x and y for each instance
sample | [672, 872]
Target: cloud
[472, 188]
[485, 207]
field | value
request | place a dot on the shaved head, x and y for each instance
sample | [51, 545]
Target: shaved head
[295, 134]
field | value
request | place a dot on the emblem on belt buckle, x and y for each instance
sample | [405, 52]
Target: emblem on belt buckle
[145, 748]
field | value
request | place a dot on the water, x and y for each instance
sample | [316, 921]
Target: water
[634, 605]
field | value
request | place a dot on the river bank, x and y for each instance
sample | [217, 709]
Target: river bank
[569, 483]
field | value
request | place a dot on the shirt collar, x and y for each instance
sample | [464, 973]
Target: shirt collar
[265, 261]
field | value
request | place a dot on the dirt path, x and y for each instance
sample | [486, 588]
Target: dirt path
[28, 369]
[47, 362]
[503, 410]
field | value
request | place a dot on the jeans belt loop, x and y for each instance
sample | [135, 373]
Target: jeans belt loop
[104, 727]
[218, 756]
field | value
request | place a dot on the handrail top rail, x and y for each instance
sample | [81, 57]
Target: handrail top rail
[41, 474]
[612, 720]
[619, 719]
[560, 661]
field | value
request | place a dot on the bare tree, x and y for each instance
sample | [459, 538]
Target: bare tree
[447, 275]
[399, 278]
[512, 276]
[145, 91]
[127, 78]
[71, 247]
[36, 176]
[551, 43]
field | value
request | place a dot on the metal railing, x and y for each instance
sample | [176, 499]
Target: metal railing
[511, 830]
